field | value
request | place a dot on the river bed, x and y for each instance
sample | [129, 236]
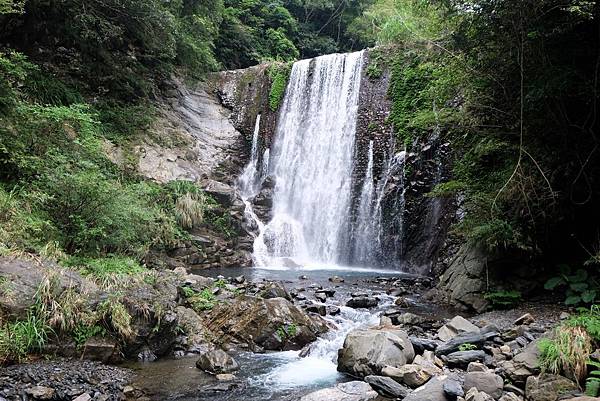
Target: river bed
[279, 375]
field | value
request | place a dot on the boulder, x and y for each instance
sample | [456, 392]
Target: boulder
[275, 289]
[21, 278]
[350, 391]
[410, 374]
[525, 319]
[272, 324]
[523, 365]
[387, 386]
[453, 389]
[463, 358]
[362, 302]
[455, 326]
[477, 367]
[430, 361]
[548, 387]
[217, 361]
[221, 192]
[475, 395]
[196, 335]
[422, 344]
[515, 397]
[488, 382]
[367, 352]
[433, 390]
[454, 344]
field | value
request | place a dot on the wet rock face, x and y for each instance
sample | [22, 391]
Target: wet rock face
[472, 271]
[367, 352]
[269, 324]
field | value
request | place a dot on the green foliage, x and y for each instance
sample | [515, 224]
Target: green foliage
[589, 319]
[567, 352]
[503, 299]
[287, 331]
[592, 383]
[279, 75]
[107, 266]
[447, 189]
[467, 347]
[14, 68]
[83, 332]
[12, 6]
[116, 316]
[579, 286]
[20, 338]
[200, 301]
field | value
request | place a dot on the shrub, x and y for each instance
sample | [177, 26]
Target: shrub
[116, 316]
[579, 286]
[566, 353]
[22, 337]
[279, 75]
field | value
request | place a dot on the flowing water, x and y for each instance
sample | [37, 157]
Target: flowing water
[312, 162]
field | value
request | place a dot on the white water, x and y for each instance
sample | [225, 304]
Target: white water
[248, 181]
[312, 162]
[320, 366]
[366, 227]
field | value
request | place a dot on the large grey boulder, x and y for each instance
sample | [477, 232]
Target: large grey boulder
[367, 352]
[488, 382]
[217, 361]
[271, 324]
[547, 387]
[350, 391]
[20, 279]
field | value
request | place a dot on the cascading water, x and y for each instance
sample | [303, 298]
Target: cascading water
[248, 180]
[365, 227]
[312, 163]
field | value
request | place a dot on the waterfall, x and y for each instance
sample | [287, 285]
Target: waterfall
[311, 160]
[365, 227]
[249, 179]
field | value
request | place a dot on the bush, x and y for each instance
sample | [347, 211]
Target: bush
[95, 214]
[21, 338]
[566, 353]
[279, 75]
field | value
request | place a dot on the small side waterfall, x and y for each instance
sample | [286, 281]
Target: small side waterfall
[248, 181]
[311, 161]
[365, 228]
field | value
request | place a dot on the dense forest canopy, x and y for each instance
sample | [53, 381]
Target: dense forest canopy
[512, 83]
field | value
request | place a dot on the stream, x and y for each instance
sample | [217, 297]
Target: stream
[278, 375]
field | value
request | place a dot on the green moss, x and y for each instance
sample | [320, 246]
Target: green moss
[279, 75]
[503, 299]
